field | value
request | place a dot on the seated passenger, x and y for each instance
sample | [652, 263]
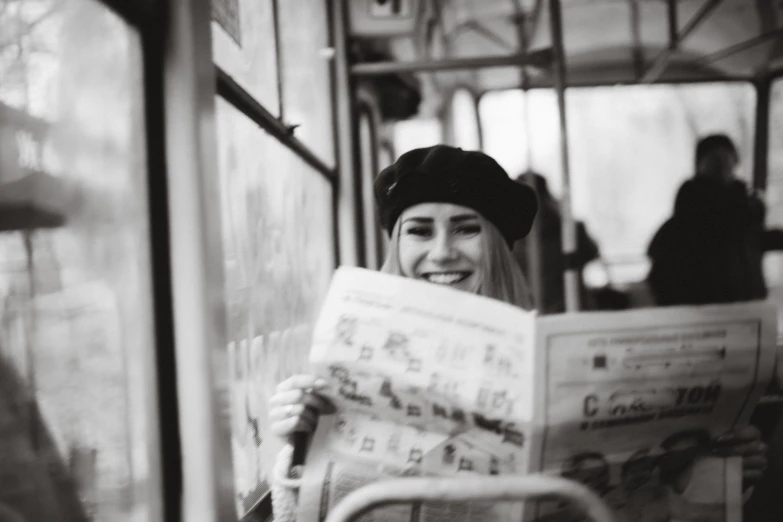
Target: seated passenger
[552, 264]
[711, 249]
[452, 217]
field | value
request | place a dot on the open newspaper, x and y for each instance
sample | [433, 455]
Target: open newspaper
[430, 381]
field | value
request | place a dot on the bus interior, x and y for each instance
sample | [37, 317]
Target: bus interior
[179, 180]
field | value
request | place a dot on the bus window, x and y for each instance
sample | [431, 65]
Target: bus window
[278, 239]
[464, 120]
[415, 133]
[76, 336]
[658, 127]
[305, 74]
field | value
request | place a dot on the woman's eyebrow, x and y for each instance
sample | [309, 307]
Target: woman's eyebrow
[463, 217]
[418, 219]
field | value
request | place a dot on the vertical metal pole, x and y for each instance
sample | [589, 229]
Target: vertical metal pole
[31, 335]
[533, 241]
[347, 212]
[571, 274]
[636, 37]
[761, 143]
[674, 26]
[198, 288]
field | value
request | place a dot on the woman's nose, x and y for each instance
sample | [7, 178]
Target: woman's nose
[442, 249]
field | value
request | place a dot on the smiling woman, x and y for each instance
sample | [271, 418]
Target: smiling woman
[452, 216]
[441, 243]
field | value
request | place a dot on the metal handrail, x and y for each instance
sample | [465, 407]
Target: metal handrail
[498, 488]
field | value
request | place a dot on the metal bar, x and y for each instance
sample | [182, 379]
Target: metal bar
[538, 8]
[481, 30]
[574, 81]
[662, 60]
[278, 59]
[165, 444]
[533, 241]
[673, 24]
[539, 59]
[197, 272]
[349, 236]
[739, 47]
[31, 322]
[636, 37]
[706, 9]
[571, 275]
[505, 488]
[237, 96]
[761, 138]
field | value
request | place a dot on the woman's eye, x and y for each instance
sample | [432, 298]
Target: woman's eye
[419, 231]
[468, 230]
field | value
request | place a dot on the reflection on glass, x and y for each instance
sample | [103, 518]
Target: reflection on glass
[243, 45]
[623, 193]
[75, 294]
[304, 58]
[279, 247]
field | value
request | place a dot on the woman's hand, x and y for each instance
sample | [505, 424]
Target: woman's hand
[296, 405]
[746, 443]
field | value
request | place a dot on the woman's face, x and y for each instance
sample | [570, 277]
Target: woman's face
[442, 243]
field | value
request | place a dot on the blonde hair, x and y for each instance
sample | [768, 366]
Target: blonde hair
[502, 276]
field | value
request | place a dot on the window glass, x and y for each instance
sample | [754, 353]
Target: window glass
[630, 149]
[465, 120]
[306, 82]
[773, 261]
[279, 249]
[416, 133]
[243, 45]
[76, 339]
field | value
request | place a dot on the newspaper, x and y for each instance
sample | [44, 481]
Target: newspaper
[430, 381]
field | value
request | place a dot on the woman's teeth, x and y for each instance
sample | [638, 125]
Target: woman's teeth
[446, 278]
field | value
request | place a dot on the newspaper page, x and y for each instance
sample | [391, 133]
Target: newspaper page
[426, 381]
[629, 402]
[430, 381]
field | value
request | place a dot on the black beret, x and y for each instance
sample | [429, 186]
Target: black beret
[443, 174]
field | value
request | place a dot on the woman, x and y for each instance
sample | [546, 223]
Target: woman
[452, 217]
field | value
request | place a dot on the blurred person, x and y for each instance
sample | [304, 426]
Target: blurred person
[711, 249]
[550, 236]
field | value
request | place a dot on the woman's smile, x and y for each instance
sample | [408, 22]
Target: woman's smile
[446, 278]
[442, 243]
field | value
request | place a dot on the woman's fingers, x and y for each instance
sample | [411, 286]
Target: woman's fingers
[302, 382]
[285, 411]
[292, 410]
[741, 443]
[313, 400]
[287, 427]
[739, 436]
[296, 404]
